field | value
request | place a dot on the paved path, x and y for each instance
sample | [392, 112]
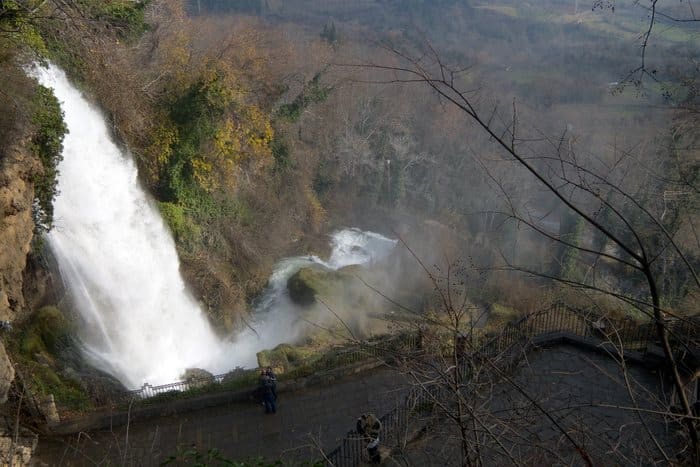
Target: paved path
[238, 430]
[588, 396]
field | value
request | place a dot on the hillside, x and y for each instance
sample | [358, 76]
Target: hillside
[260, 128]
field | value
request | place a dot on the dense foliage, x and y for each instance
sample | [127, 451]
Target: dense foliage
[127, 16]
[250, 141]
[47, 144]
[314, 92]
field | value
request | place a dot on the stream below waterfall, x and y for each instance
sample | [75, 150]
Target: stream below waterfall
[138, 320]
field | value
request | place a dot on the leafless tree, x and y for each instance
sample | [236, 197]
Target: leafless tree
[659, 12]
[633, 235]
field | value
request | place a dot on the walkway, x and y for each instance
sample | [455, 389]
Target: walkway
[319, 415]
[588, 395]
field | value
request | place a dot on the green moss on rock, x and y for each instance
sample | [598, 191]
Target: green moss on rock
[48, 333]
[68, 394]
[284, 357]
[311, 282]
[41, 347]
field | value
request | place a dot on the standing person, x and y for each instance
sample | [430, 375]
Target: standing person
[273, 380]
[368, 427]
[360, 425]
[372, 428]
[267, 393]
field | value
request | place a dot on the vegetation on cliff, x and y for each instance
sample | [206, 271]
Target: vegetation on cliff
[47, 144]
[41, 353]
[200, 115]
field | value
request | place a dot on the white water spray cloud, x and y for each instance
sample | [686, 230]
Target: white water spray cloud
[118, 259]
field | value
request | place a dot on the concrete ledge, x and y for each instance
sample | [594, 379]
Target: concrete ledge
[590, 344]
[108, 418]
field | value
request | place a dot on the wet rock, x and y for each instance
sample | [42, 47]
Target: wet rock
[197, 377]
[301, 287]
[283, 358]
[312, 282]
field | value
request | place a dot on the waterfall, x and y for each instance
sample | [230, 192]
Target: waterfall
[119, 260]
[139, 322]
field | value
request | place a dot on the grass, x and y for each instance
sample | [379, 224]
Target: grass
[38, 350]
[243, 379]
[501, 315]
[68, 394]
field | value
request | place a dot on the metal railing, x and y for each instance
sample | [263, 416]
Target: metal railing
[549, 324]
[247, 379]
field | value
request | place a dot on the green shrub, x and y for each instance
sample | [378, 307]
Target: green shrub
[47, 145]
[18, 31]
[313, 93]
[329, 33]
[126, 16]
[40, 348]
[67, 393]
[186, 232]
[281, 153]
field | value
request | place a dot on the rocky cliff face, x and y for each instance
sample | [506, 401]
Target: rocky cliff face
[17, 169]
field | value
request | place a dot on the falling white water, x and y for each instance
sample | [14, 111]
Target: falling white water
[118, 259]
[275, 315]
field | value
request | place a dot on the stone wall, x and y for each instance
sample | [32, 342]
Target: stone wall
[16, 449]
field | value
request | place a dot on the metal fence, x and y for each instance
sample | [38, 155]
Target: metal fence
[515, 337]
[247, 378]
[625, 333]
[191, 384]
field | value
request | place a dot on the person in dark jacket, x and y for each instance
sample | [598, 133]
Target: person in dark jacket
[267, 392]
[368, 427]
[273, 380]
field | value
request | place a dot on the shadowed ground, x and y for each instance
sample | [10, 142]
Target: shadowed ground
[588, 396]
[315, 415]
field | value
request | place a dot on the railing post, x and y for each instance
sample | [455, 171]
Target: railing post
[560, 322]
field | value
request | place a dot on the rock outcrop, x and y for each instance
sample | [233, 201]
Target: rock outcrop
[7, 374]
[197, 377]
[311, 282]
[16, 448]
[17, 169]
